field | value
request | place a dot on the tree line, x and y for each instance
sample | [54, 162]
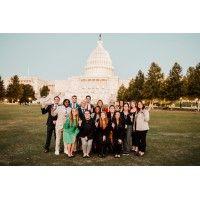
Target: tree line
[22, 93]
[156, 87]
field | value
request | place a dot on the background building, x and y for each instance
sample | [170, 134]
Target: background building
[99, 79]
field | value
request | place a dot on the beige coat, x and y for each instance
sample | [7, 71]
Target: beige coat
[141, 120]
[62, 112]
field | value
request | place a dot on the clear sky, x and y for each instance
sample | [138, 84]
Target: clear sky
[58, 56]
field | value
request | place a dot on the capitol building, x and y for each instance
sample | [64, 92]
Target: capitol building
[99, 79]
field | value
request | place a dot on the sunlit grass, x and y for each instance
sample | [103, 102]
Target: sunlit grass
[173, 139]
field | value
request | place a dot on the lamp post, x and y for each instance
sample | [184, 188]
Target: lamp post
[181, 102]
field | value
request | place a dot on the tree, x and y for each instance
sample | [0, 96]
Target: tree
[28, 93]
[193, 81]
[130, 90]
[44, 91]
[174, 84]
[2, 90]
[153, 83]
[14, 90]
[122, 93]
[137, 88]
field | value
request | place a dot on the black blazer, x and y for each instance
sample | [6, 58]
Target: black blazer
[126, 118]
[118, 130]
[50, 118]
[103, 132]
[81, 113]
[110, 118]
[87, 128]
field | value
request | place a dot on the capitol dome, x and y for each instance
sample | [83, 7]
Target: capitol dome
[99, 62]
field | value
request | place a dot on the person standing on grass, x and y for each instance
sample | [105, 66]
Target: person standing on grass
[103, 131]
[111, 116]
[89, 105]
[133, 110]
[96, 116]
[87, 129]
[118, 129]
[82, 109]
[61, 112]
[127, 141]
[121, 105]
[141, 127]
[51, 121]
[70, 131]
[74, 103]
[100, 104]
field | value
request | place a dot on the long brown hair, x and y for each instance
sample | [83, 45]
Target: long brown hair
[71, 117]
[103, 123]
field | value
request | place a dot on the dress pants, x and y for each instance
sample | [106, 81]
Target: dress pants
[59, 134]
[117, 147]
[134, 141]
[50, 131]
[127, 142]
[86, 145]
[141, 140]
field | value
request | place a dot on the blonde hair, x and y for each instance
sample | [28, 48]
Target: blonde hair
[71, 117]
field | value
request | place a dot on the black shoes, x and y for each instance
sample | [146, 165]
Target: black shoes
[46, 150]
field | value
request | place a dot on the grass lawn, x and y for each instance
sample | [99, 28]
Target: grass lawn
[173, 139]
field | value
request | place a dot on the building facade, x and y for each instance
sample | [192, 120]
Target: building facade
[99, 80]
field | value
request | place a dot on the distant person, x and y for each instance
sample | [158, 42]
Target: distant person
[142, 127]
[51, 121]
[82, 109]
[111, 117]
[117, 107]
[89, 105]
[118, 129]
[121, 105]
[61, 112]
[70, 131]
[87, 130]
[103, 131]
[74, 103]
[100, 104]
[127, 141]
[96, 116]
[133, 111]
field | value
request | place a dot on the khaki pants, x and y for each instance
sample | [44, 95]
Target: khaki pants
[59, 134]
[86, 146]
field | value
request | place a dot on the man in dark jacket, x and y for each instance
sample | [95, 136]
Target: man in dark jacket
[87, 129]
[51, 121]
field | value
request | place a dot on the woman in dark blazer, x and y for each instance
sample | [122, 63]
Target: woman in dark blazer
[103, 131]
[118, 129]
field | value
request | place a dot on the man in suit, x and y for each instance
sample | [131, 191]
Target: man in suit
[74, 103]
[82, 109]
[51, 121]
[61, 112]
[89, 106]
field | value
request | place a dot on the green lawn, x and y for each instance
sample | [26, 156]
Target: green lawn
[173, 139]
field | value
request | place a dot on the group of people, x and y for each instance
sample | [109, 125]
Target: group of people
[117, 130]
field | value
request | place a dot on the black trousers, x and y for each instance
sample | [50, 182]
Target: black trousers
[117, 147]
[102, 145]
[134, 139]
[109, 146]
[141, 140]
[50, 131]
